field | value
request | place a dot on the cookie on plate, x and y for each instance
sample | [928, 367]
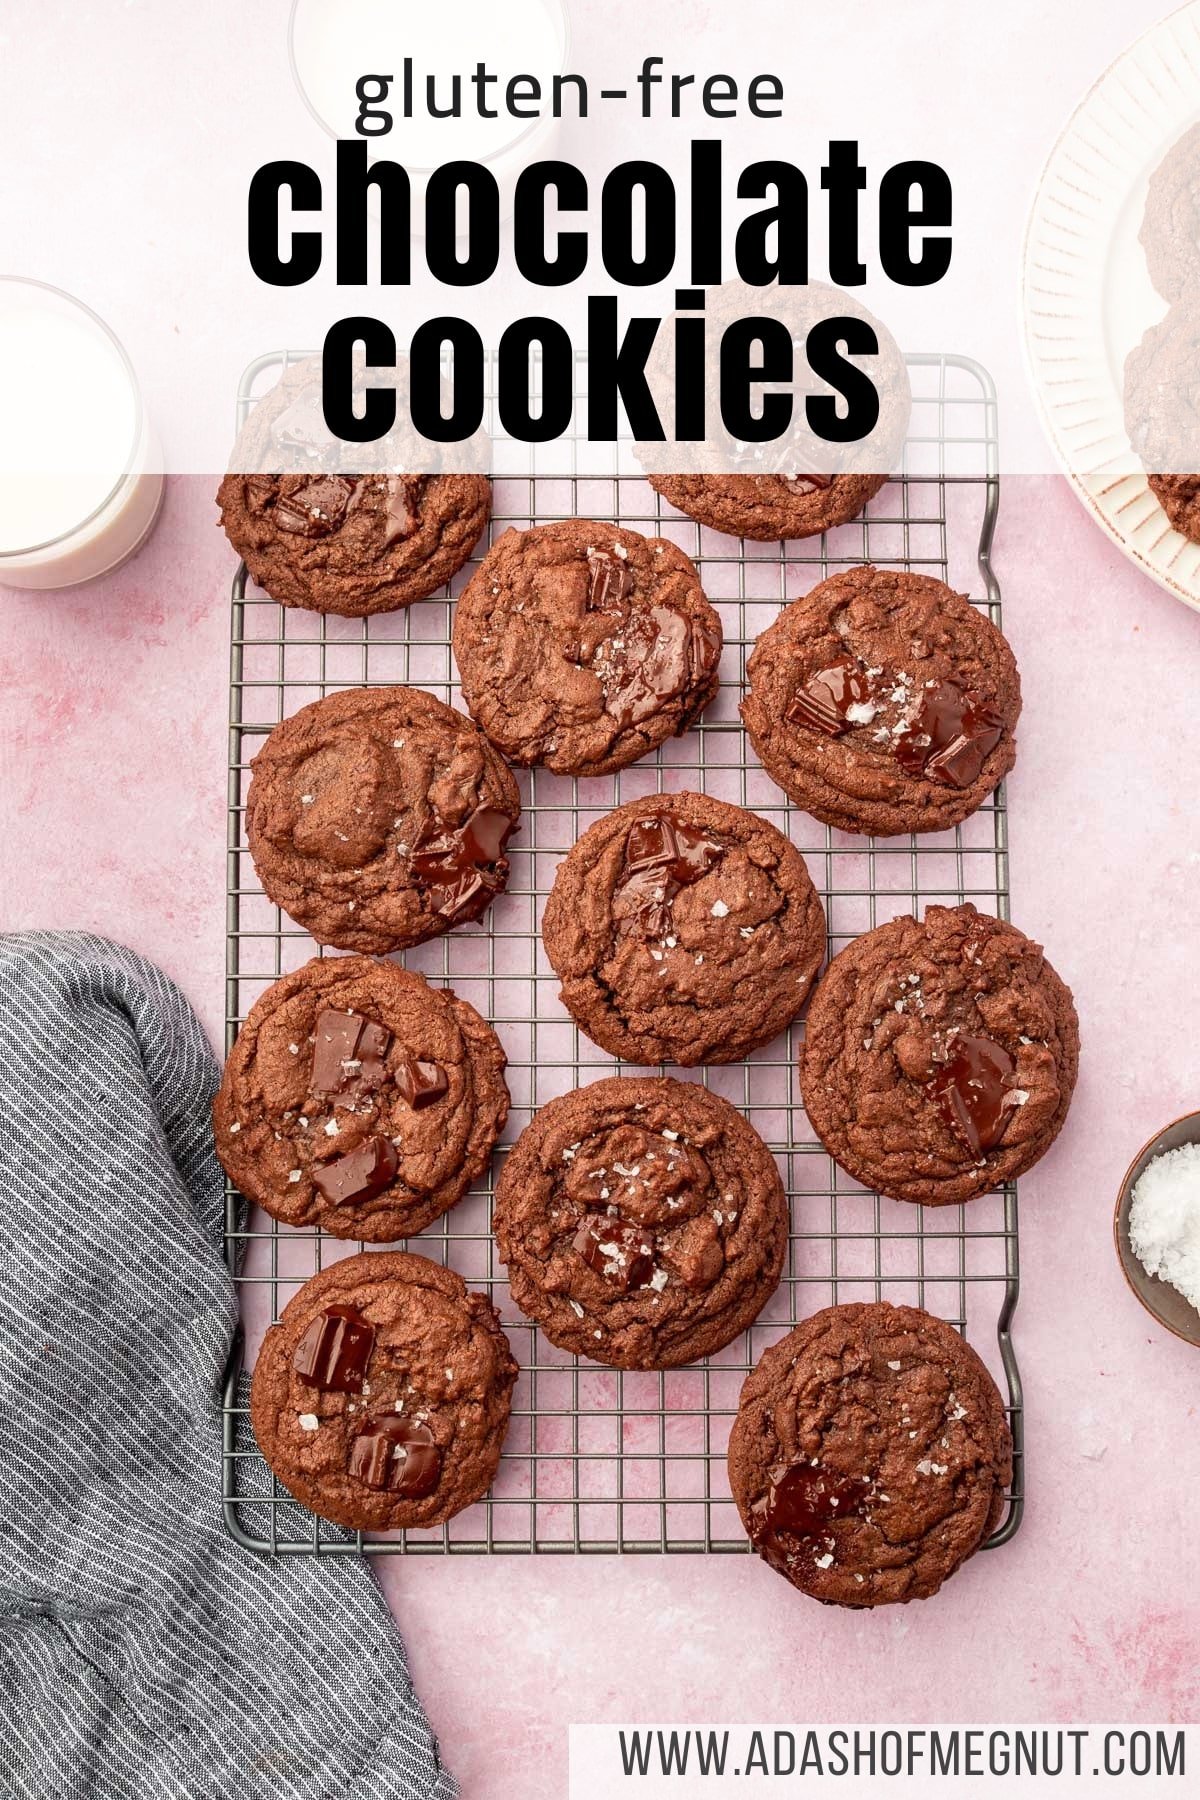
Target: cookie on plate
[884, 702]
[771, 506]
[1162, 406]
[583, 647]
[683, 930]
[378, 818]
[333, 540]
[642, 1222]
[1179, 497]
[870, 1455]
[940, 1056]
[382, 1396]
[360, 1099]
[1170, 233]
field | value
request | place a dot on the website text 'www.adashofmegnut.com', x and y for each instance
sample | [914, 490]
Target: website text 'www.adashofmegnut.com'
[859, 1762]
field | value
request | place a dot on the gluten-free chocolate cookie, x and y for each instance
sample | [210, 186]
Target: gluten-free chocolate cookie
[769, 506]
[326, 537]
[1162, 405]
[940, 1056]
[642, 1222]
[378, 818]
[796, 482]
[870, 1455]
[583, 647]
[1170, 233]
[1179, 497]
[382, 1396]
[883, 702]
[683, 930]
[360, 1099]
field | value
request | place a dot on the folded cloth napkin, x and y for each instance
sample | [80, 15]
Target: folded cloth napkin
[143, 1652]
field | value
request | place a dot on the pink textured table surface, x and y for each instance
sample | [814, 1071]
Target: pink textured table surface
[112, 815]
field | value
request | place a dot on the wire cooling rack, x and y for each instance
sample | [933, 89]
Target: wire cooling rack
[598, 1460]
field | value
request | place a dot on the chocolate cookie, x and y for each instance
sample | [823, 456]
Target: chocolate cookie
[1179, 497]
[583, 647]
[642, 1222]
[1162, 405]
[378, 817]
[870, 1455]
[769, 506]
[335, 541]
[683, 930]
[381, 1398]
[883, 702]
[1170, 233]
[939, 1058]
[361, 1099]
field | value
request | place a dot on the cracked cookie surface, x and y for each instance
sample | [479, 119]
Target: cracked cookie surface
[940, 1056]
[642, 1222]
[870, 1455]
[382, 1396]
[583, 647]
[883, 702]
[378, 818]
[360, 1099]
[683, 930]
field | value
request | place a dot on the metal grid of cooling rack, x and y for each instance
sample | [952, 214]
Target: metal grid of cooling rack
[598, 1460]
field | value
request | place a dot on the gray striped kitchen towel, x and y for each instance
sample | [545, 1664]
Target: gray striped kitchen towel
[142, 1653]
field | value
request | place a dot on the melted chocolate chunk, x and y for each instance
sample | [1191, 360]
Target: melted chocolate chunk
[348, 1057]
[457, 866]
[420, 1082]
[950, 736]
[805, 482]
[661, 856]
[316, 507]
[610, 579]
[972, 1092]
[622, 1254]
[803, 1501]
[653, 664]
[361, 1174]
[824, 702]
[301, 426]
[396, 1455]
[402, 496]
[334, 1352]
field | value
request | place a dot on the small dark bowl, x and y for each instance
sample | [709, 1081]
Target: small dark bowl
[1166, 1303]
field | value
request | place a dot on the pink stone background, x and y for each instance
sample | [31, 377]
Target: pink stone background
[112, 818]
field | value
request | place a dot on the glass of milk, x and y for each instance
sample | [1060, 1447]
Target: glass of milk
[334, 42]
[80, 478]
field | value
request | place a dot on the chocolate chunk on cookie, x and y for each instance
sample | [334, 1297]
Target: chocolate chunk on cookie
[642, 1222]
[360, 1099]
[382, 1396]
[335, 540]
[870, 1455]
[769, 506]
[378, 818]
[939, 1057]
[683, 930]
[884, 702]
[583, 647]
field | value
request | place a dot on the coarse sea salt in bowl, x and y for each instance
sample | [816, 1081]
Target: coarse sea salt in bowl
[1157, 1227]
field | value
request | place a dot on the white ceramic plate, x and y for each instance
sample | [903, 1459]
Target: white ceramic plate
[1087, 296]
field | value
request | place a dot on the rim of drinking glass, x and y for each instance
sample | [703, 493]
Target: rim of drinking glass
[558, 6]
[126, 474]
